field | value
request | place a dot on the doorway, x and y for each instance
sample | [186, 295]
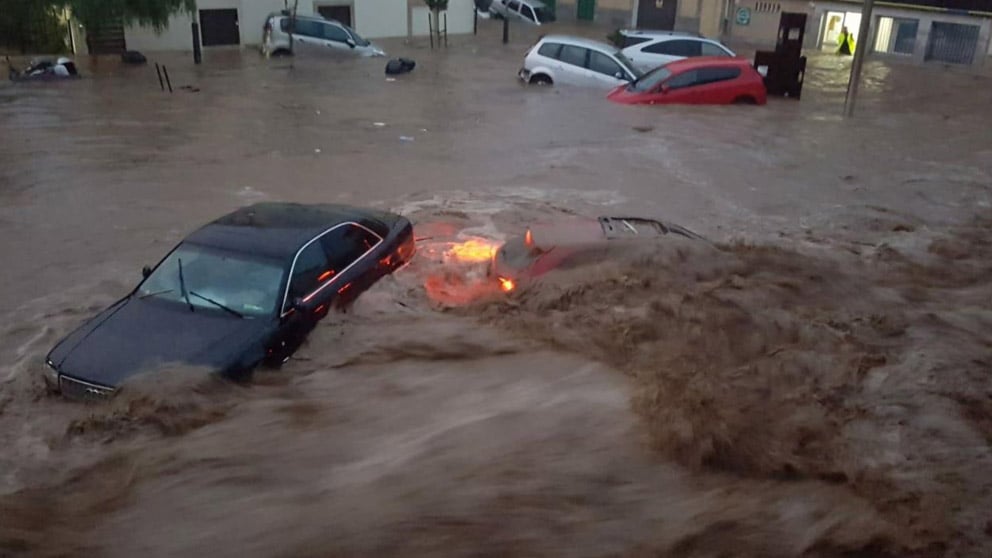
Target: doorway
[340, 13]
[219, 27]
[585, 10]
[833, 23]
[657, 14]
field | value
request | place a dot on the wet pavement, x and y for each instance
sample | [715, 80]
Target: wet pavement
[814, 383]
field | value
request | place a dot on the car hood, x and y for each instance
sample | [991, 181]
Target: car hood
[135, 335]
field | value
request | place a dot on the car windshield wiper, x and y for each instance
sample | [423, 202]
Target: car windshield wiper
[217, 304]
[182, 286]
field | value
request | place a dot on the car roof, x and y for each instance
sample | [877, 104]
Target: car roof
[658, 33]
[580, 41]
[664, 38]
[707, 62]
[278, 230]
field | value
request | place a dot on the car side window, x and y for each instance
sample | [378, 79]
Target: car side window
[685, 79]
[709, 49]
[679, 47]
[513, 5]
[629, 41]
[526, 12]
[713, 75]
[334, 33]
[551, 50]
[284, 24]
[309, 272]
[308, 28]
[571, 54]
[603, 64]
[346, 244]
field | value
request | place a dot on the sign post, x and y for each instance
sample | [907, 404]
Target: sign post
[860, 48]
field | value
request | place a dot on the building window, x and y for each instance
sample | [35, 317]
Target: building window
[896, 35]
[953, 43]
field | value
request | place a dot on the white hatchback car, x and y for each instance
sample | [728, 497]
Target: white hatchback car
[659, 50]
[534, 12]
[576, 61]
[314, 34]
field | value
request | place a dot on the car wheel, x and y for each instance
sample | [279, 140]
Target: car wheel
[540, 79]
[745, 100]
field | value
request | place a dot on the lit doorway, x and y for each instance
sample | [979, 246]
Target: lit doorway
[833, 22]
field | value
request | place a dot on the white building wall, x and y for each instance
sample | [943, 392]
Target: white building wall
[375, 19]
[459, 18]
[371, 19]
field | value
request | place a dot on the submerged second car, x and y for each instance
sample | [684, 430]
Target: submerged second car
[241, 291]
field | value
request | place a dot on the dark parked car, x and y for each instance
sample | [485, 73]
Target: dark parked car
[553, 246]
[241, 291]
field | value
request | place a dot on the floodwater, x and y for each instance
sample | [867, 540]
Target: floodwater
[813, 382]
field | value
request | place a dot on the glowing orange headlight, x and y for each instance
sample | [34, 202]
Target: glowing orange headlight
[506, 284]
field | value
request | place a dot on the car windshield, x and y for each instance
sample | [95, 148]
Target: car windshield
[543, 14]
[651, 79]
[216, 279]
[359, 41]
[628, 64]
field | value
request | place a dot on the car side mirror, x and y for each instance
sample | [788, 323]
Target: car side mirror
[665, 89]
[351, 42]
[146, 271]
[299, 305]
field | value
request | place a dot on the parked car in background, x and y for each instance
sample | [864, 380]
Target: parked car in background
[697, 81]
[662, 49]
[576, 61]
[243, 290]
[313, 35]
[534, 12]
[630, 37]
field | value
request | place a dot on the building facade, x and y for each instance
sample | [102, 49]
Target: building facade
[239, 22]
[922, 31]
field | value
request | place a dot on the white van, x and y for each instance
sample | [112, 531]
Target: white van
[313, 34]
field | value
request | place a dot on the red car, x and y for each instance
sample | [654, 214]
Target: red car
[696, 81]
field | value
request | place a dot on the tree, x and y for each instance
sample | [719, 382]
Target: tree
[94, 14]
[35, 26]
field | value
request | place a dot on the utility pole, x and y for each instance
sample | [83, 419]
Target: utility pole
[860, 50]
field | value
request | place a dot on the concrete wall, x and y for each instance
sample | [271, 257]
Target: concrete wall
[380, 18]
[459, 18]
[762, 30]
[612, 13]
[372, 19]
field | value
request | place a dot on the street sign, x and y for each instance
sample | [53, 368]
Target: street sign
[743, 16]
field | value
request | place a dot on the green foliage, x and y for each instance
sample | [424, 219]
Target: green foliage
[150, 13]
[32, 26]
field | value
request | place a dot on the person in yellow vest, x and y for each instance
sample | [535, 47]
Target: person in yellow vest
[845, 42]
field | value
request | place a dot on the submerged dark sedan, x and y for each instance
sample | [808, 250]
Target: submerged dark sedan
[241, 291]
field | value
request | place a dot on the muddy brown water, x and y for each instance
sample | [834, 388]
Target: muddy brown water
[813, 382]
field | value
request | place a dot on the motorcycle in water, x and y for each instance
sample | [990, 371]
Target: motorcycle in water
[44, 70]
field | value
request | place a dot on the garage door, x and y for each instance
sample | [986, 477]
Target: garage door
[219, 27]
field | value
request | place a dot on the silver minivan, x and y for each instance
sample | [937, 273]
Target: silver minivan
[314, 34]
[576, 61]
